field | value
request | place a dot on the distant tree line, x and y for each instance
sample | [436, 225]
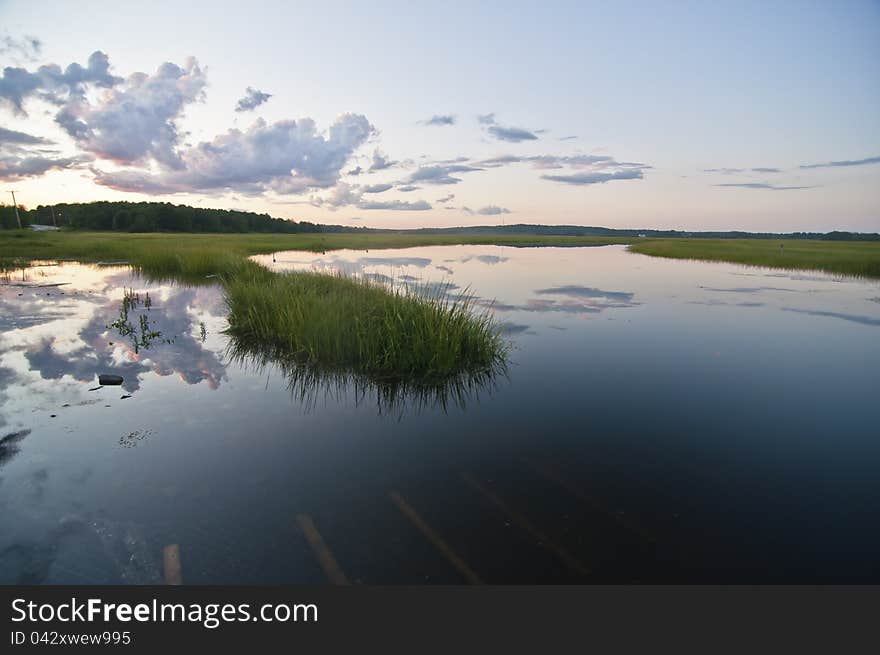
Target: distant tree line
[165, 217]
[153, 217]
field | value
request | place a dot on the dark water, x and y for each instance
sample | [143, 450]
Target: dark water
[660, 421]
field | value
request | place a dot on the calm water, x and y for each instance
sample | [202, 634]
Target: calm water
[660, 421]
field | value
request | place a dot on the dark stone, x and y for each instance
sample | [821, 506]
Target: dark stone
[110, 379]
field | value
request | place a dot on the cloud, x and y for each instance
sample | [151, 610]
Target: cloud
[135, 121]
[26, 47]
[506, 133]
[734, 171]
[854, 318]
[583, 179]
[439, 120]
[492, 210]
[395, 205]
[440, 173]
[568, 138]
[763, 185]
[19, 167]
[354, 172]
[380, 162]
[408, 188]
[501, 160]
[845, 162]
[252, 99]
[342, 195]
[20, 138]
[53, 85]
[545, 162]
[376, 188]
[288, 156]
[451, 196]
[577, 291]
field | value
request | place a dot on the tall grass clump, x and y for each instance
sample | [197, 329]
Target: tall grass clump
[349, 324]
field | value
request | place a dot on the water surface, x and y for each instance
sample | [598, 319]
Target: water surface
[659, 421]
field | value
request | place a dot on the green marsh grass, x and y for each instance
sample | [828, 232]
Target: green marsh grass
[337, 324]
[853, 258]
[342, 323]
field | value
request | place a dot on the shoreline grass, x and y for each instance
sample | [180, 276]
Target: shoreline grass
[851, 258]
[340, 323]
[329, 323]
[199, 253]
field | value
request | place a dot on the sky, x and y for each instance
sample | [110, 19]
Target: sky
[688, 115]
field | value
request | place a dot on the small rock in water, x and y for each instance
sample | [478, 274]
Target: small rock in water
[94, 388]
[125, 396]
[110, 379]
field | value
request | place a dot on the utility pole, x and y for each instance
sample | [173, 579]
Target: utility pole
[17, 217]
[52, 209]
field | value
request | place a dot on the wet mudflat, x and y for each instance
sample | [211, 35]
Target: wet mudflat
[658, 421]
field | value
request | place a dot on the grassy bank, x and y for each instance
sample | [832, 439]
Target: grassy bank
[845, 257]
[136, 248]
[332, 324]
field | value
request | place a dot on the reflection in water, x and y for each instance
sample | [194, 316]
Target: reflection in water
[697, 413]
[308, 383]
[9, 445]
[145, 335]
[855, 318]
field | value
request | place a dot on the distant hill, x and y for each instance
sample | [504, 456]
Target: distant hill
[166, 217]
